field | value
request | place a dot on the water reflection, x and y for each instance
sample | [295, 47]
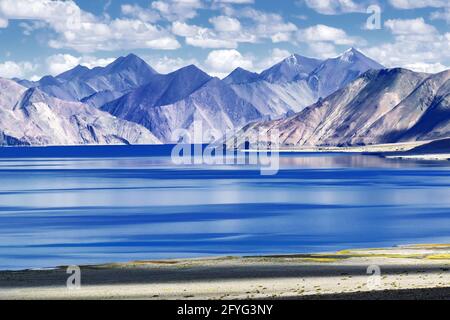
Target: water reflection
[61, 211]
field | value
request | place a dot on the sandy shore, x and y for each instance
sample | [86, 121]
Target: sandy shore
[428, 157]
[405, 151]
[410, 272]
[378, 148]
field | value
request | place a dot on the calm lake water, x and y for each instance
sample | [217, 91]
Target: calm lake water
[108, 204]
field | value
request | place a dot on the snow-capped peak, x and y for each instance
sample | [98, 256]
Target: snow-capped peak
[294, 59]
[351, 51]
[293, 67]
[337, 72]
[353, 55]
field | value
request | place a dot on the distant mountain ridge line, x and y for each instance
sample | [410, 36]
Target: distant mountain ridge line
[131, 90]
[286, 89]
[132, 56]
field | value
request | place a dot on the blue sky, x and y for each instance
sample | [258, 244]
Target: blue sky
[41, 37]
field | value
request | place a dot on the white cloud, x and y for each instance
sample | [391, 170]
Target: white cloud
[323, 33]
[85, 32]
[235, 1]
[206, 38]
[409, 26]
[261, 25]
[281, 37]
[140, 13]
[333, 7]
[442, 15]
[405, 51]
[322, 50]
[177, 10]
[59, 63]
[203, 37]
[276, 55]
[416, 45]
[206, 41]
[245, 25]
[225, 24]
[322, 40]
[416, 4]
[183, 29]
[267, 24]
[166, 64]
[12, 69]
[30, 27]
[3, 22]
[221, 62]
[427, 67]
[136, 28]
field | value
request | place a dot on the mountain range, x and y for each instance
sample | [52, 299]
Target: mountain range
[350, 99]
[297, 82]
[381, 106]
[99, 85]
[32, 117]
[173, 101]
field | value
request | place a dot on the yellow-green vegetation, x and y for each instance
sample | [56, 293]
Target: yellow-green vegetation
[320, 259]
[347, 254]
[369, 253]
[439, 257]
[440, 252]
[388, 256]
[344, 252]
[143, 262]
[430, 246]
[349, 251]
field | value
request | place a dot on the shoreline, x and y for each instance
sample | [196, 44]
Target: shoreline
[419, 270]
[401, 146]
[393, 151]
[400, 151]
[376, 148]
[425, 157]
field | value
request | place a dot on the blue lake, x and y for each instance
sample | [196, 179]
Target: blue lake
[87, 205]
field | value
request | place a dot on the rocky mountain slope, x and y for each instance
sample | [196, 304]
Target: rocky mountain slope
[297, 82]
[175, 101]
[169, 102]
[31, 117]
[381, 106]
[99, 85]
[347, 100]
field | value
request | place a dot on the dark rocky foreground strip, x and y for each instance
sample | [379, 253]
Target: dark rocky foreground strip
[409, 294]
